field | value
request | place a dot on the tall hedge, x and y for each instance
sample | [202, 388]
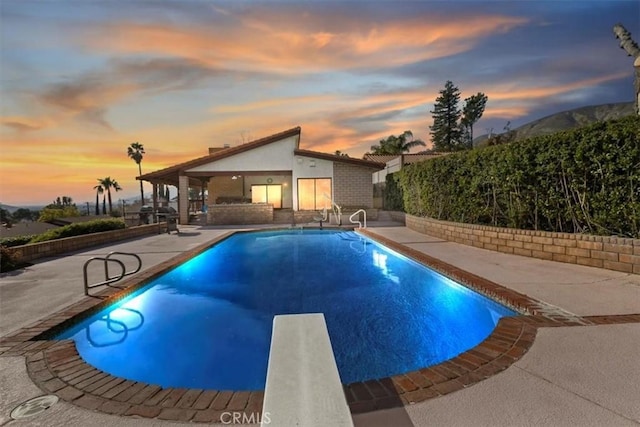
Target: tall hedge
[581, 181]
[393, 200]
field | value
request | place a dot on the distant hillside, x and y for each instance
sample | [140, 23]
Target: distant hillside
[12, 209]
[9, 208]
[569, 119]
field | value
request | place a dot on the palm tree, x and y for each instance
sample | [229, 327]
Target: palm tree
[397, 144]
[136, 152]
[107, 184]
[99, 190]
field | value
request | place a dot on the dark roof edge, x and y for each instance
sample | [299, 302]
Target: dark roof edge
[340, 159]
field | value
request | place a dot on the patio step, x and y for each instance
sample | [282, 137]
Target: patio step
[384, 216]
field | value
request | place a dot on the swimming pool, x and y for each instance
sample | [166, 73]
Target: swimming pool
[207, 323]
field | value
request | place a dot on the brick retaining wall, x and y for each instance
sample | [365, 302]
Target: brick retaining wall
[613, 253]
[33, 251]
[245, 213]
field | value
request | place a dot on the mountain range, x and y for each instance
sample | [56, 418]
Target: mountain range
[569, 119]
[12, 209]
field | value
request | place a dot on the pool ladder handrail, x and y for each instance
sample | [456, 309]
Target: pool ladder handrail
[335, 208]
[109, 279]
[322, 216]
[358, 221]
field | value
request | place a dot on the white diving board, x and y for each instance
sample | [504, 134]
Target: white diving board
[303, 386]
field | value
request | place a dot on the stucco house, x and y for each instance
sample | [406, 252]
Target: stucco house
[269, 180]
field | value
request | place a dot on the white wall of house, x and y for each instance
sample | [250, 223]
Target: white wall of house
[275, 156]
[393, 165]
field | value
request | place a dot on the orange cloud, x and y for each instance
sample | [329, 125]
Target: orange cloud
[514, 91]
[88, 96]
[25, 124]
[263, 104]
[512, 111]
[261, 44]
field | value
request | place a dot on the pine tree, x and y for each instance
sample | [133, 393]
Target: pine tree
[471, 113]
[446, 133]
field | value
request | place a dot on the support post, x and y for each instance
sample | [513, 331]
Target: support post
[183, 199]
[155, 202]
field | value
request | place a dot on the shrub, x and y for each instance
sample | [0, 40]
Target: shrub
[52, 212]
[9, 259]
[15, 241]
[80, 228]
[583, 181]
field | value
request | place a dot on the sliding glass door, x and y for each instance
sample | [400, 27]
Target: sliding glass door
[311, 193]
[267, 194]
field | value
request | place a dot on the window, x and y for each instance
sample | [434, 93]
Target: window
[311, 193]
[267, 194]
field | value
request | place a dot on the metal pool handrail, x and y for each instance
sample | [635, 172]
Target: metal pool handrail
[108, 279]
[337, 210]
[128, 273]
[358, 221]
[322, 218]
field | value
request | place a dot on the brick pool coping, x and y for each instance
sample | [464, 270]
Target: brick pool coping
[57, 368]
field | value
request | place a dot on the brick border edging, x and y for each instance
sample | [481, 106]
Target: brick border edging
[56, 367]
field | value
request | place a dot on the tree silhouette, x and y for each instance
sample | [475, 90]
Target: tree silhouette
[453, 129]
[99, 190]
[136, 151]
[445, 132]
[397, 144]
[471, 113]
[107, 184]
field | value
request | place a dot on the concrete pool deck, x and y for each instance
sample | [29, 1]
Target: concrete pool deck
[577, 375]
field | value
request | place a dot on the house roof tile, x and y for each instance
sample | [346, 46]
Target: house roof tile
[340, 159]
[407, 158]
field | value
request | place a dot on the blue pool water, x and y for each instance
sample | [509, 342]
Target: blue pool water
[207, 323]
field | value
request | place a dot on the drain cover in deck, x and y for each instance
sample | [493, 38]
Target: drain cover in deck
[33, 406]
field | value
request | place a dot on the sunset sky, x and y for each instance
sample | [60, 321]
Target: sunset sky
[81, 80]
